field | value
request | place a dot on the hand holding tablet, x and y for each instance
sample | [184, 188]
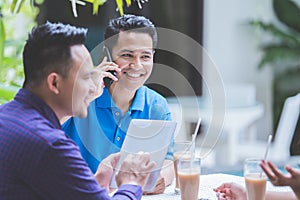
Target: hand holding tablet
[152, 136]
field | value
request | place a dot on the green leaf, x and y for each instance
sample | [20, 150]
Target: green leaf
[128, 3]
[16, 6]
[279, 53]
[96, 5]
[287, 37]
[38, 2]
[7, 92]
[2, 40]
[288, 13]
[120, 6]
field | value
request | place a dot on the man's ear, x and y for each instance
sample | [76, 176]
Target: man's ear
[53, 80]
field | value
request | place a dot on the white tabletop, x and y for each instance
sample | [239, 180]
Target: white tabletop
[207, 183]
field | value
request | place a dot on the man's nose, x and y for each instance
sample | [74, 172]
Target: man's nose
[136, 63]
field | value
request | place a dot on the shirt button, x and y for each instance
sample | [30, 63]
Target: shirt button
[117, 113]
[118, 139]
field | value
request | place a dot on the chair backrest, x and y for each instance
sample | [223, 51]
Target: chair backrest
[286, 126]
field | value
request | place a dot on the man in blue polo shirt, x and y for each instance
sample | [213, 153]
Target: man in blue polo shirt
[131, 41]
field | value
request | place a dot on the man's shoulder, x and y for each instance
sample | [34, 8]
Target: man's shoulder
[29, 125]
[151, 94]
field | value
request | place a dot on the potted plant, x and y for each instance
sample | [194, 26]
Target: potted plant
[282, 52]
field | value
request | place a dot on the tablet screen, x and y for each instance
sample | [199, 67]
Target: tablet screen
[152, 136]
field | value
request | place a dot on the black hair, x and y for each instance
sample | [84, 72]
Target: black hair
[131, 23]
[47, 50]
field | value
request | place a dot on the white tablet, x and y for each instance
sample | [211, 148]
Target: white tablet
[152, 136]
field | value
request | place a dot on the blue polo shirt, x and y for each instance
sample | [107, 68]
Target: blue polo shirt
[103, 131]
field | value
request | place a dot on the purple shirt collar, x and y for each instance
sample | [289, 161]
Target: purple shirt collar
[30, 99]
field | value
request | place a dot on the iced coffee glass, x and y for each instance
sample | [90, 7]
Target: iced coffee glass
[182, 149]
[255, 180]
[189, 178]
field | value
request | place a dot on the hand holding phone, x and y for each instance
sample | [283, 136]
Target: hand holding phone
[108, 81]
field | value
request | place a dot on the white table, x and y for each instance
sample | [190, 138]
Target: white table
[207, 183]
[235, 119]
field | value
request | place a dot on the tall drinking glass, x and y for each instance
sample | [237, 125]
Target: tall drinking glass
[255, 180]
[182, 149]
[189, 178]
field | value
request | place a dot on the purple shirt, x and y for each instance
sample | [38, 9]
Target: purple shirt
[37, 159]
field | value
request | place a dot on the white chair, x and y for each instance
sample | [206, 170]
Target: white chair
[280, 148]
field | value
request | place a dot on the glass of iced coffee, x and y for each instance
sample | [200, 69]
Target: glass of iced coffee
[255, 180]
[182, 150]
[189, 178]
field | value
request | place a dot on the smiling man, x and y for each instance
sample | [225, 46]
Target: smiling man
[131, 41]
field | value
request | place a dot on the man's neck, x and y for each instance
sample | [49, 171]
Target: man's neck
[44, 94]
[122, 97]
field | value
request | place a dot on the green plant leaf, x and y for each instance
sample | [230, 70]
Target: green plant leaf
[279, 53]
[38, 2]
[16, 6]
[96, 5]
[128, 3]
[120, 6]
[2, 40]
[288, 13]
[7, 92]
[287, 37]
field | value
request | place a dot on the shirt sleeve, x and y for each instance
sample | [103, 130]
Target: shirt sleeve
[130, 191]
[62, 174]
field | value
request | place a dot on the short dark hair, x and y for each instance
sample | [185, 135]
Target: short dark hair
[131, 23]
[47, 50]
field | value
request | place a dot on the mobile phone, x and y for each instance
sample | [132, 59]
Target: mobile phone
[108, 81]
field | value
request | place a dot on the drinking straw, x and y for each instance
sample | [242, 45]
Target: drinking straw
[196, 131]
[268, 146]
[267, 149]
[195, 134]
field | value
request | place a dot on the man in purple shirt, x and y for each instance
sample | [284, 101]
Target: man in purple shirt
[37, 159]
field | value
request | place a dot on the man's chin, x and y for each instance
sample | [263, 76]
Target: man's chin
[82, 114]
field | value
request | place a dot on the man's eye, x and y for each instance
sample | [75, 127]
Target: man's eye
[127, 55]
[146, 57]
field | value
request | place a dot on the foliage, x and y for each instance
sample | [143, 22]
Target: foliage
[15, 33]
[282, 52]
[17, 4]
[2, 38]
